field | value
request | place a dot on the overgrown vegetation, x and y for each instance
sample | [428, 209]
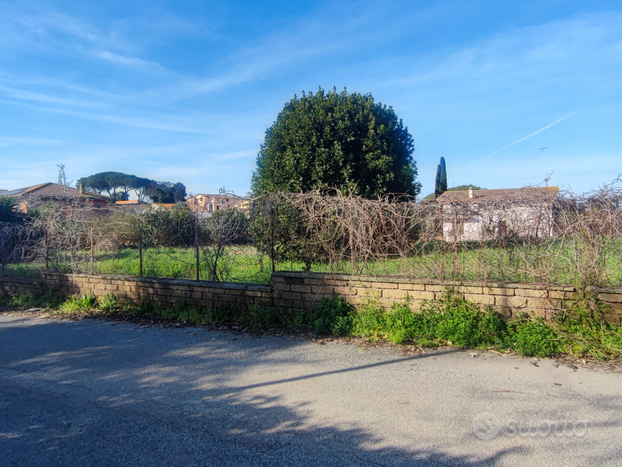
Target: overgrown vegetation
[25, 301]
[451, 321]
[458, 322]
[530, 236]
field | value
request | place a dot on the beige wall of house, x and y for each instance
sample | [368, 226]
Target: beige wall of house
[212, 203]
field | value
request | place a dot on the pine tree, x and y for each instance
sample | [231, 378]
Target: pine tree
[441, 179]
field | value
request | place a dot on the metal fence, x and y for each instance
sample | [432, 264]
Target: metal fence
[532, 235]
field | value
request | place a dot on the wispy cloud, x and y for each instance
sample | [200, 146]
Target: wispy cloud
[43, 98]
[532, 51]
[127, 61]
[6, 141]
[281, 51]
[137, 122]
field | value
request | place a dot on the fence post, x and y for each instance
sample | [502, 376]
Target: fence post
[271, 222]
[196, 247]
[140, 250]
[2, 255]
[92, 251]
[45, 251]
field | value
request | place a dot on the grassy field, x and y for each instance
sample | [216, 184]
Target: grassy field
[546, 263]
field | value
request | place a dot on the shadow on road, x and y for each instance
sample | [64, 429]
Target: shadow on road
[92, 393]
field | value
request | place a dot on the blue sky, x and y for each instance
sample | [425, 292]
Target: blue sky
[184, 91]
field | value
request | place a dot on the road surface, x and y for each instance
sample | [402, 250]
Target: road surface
[95, 392]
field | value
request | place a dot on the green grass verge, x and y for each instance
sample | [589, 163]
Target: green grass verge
[450, 321]
[458, 322]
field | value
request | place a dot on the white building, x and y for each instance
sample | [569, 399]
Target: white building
[479, 215]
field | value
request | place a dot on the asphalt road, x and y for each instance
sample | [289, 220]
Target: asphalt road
[106, 393]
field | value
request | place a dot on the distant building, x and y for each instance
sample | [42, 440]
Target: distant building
[206, 203]
[244, 206]
[134, 206]
[477, 215]
[33, 197]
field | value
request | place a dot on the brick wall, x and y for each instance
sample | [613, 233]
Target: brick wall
[298, 290]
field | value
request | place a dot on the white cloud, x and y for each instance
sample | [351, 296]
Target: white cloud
[10, 141]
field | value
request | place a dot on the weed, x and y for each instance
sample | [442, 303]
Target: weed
[109, 303]
[79, 304]
[584, 332]
[452, 320]
[370, 321]
[533, 337]
[460, 322]
[263, 317]
[331, 316]
[30, 300]
[293, 319]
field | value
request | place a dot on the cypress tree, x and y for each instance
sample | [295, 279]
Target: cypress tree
[441, 179]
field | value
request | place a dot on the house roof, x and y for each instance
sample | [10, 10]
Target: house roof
[229, 195]
[130, 202]
[132, 206]
[483, 195]
[52, 190]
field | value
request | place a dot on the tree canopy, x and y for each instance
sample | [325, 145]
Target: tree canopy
[118, 185]
[166, 192]
[337, 140]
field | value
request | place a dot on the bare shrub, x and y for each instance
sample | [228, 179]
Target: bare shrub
[220, 232]
[64, 233]
[336, 229]
[531, 235]
[591, 225]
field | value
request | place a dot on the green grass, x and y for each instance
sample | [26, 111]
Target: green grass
[549, 262]
[25, 270]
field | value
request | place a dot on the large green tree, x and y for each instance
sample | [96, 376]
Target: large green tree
[337, 140]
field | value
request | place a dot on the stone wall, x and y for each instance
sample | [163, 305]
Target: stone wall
[139, 290]
[299, 290]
